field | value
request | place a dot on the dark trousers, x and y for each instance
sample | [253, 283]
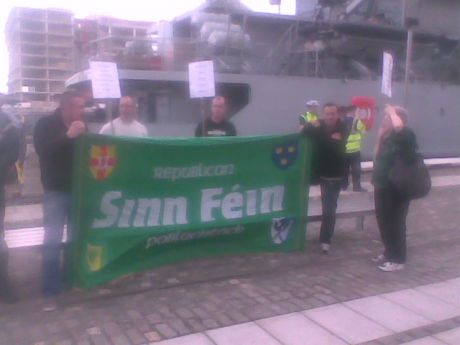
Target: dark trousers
[391, 211]
[353, 163]
[330, 190]
[4, 281]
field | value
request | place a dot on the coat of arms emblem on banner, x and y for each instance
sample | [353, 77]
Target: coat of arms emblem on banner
[281, 228]
[94, 257]
[285, 155]
[103, 160]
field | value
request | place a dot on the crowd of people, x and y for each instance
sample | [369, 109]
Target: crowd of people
[336, 140]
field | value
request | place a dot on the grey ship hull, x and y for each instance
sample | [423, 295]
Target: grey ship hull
[275, 103]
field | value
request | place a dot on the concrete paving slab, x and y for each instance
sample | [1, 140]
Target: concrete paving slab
[423, 304]
[17, 216]
[244, 334]
[455, 281]
[451, 337]
[296, 329]
[425, 341]
[193, 339]
[445, 181]
[388, 314]
[430, 162]
[347, 324]
[445, 291]
[27, 237]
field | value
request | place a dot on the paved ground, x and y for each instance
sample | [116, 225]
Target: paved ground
[399, 317]
[209, 294]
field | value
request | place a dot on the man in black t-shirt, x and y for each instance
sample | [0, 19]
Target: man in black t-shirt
[217, 125]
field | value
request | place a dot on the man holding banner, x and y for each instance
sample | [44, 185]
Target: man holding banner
[329, 136]
[54, 139]
[217, 125]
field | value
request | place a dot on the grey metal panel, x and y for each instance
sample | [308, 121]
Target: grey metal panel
[276, 102]
[440, 16]
[304, 7]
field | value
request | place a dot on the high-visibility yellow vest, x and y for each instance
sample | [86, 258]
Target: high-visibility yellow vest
[309, 117]
[356, 136]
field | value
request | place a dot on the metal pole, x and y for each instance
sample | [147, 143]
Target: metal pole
[316, 63]
[110, 113]
[410, 37]
[404, 13]
[245, 22]
[227, 41]
[203, 117]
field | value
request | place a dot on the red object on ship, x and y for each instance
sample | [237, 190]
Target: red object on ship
[364, 102]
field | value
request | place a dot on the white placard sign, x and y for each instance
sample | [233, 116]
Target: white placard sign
[387, 73]
[104, 79]
[201, 79]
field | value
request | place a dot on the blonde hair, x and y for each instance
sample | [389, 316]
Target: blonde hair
[402, 113]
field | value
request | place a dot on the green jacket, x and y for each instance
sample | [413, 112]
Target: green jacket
[404, 144]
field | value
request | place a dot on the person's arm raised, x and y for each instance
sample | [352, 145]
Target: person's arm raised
[395, 119]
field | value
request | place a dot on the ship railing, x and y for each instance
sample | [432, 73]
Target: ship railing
[276, 59]
[160, 54]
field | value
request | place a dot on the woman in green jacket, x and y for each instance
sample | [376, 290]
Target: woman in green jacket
[395, 139]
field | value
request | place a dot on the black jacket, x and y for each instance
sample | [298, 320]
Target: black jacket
[55, 153]
[329, 153]
[9, 146]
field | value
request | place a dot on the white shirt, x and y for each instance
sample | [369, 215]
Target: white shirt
[124, 129]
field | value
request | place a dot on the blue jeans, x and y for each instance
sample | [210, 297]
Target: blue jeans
[330, 190]
[56, 212]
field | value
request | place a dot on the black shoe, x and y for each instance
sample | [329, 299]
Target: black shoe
[359, 189]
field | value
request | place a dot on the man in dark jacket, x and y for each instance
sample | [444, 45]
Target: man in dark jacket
[9, 152]
[54, 140]
[329, 138]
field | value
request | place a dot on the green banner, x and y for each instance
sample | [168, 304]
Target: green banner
[141, 203]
